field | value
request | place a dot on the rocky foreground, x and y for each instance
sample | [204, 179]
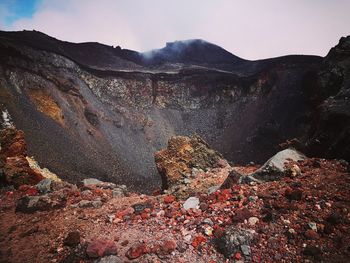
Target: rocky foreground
[292, 209]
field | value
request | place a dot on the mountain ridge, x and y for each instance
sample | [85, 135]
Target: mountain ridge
[39, 40]
[90, 110]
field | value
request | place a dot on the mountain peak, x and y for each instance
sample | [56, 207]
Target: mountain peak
[196, 51]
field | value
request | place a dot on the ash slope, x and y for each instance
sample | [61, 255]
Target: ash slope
[90, 110]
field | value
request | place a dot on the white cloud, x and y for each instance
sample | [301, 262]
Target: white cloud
[250, 29]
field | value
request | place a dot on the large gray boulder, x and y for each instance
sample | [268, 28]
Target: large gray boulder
[275, 167]
[272, 170]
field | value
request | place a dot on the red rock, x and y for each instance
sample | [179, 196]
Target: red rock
[157, 192]
[12, 142]
[32, 191]
[145, 215]
[311, 234]
[15, 166]
[218, 232]
[238, 256]
[169, 199]
[155, 248]
[222, 163]
[295, 194]
[203, 206]
[136, 251]
[168, 246]
[72, 239]
[241, 215]
[101, 248]
[125, 212]
[198, 240]
[23, 187]
[223, 195]
[125, 243]
[9, 193]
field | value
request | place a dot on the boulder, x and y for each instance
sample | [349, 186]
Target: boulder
[183, 161]
[14, 167]
[276, 167]
[136, 251]
[101, 247]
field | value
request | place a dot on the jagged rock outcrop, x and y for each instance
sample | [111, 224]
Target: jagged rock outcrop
[185, 165]
[330, 90]
[14, 167]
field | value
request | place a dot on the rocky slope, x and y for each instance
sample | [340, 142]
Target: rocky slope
[301, 216]
[90, 110]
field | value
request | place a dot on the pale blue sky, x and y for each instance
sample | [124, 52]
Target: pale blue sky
[12, 10]
[251, 29]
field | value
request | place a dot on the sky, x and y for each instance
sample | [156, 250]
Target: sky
[251, 29]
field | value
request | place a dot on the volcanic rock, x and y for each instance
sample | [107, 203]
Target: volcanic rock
[136, 251]
[328, 136]
[12, 143]
[87, 203]
[313, 251]
[14, 167]
[138, 101]
[91, 183]
[275, 167]
[168, 246]
[100, 248]
[30, 204]
[294, 194]
[232, 179]
[72, 239]
[232, 241]
[44, 186]
[182, 161]
[192, 202]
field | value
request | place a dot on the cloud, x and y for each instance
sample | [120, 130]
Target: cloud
[250, 29]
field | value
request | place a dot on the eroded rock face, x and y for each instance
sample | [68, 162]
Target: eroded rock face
[104, 111]
[184, 162]
[14, 167]
[329, 134]
[12, 143]
[183, 154]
